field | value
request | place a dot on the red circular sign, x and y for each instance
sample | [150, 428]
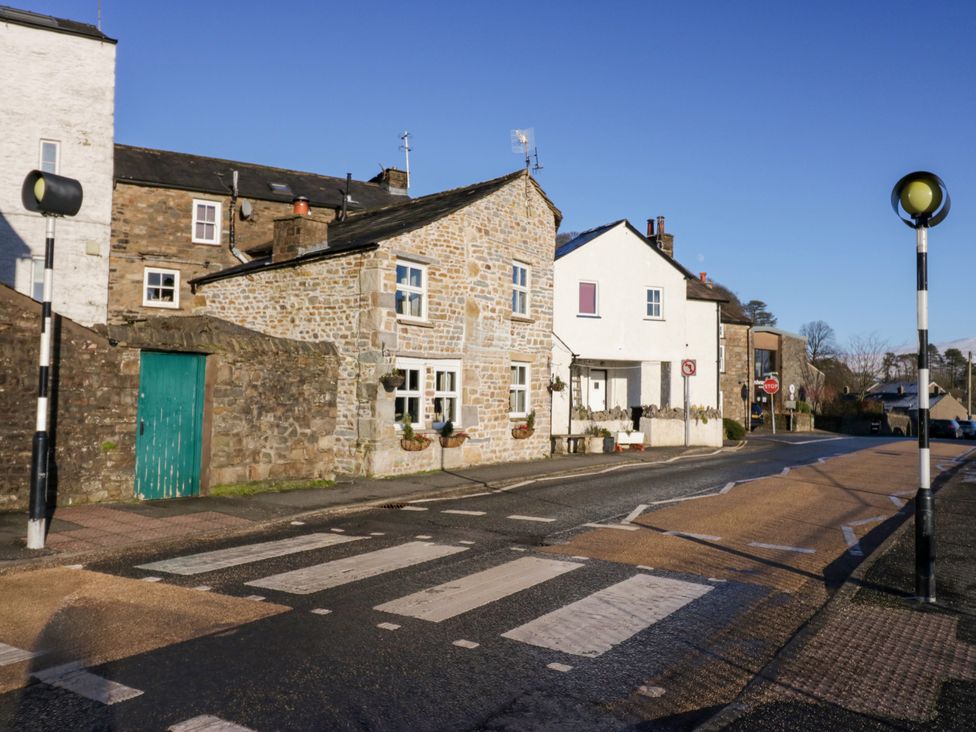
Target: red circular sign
[771, 385]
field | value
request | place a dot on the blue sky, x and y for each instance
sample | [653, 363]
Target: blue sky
[768, 133]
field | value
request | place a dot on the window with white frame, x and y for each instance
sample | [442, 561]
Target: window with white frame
[447, 395]
[206, 222]
[721, 358]
[587, 299]
[37, 278]
[50, 156]
[518, 390]
[411, 290]
[654, 303]
[160, 288]
[520, 288]
[408, 402]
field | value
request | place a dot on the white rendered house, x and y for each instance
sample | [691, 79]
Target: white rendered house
[57, 115]
[626, 315]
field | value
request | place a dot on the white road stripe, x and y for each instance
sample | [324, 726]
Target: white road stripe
[74, 678]
[10, 654]
[862, 522]
[899, 502]
[459, 512]
[635, 513]
[388, 626]
[152, 579]
[352, 569]
[338, 531]
[621, 527]
[561, 667]
[781, 547]
[465, 644]
[463, 541]
[854, 546]
[688, 535]
[595, 624]
[207, 723]
[414, 508]
[234, 556]
[321, 611]
[517, 517]
[423, 537]
[459, 596]
[727, 487]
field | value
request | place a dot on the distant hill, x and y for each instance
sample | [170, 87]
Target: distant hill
[963, 344]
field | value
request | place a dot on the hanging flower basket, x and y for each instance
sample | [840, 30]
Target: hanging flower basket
[415, 443]
[455, 440]
[557, 384]
[392, 380]
[522, 432]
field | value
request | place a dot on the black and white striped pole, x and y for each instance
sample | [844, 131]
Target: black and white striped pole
[51, 196]
[925, 199]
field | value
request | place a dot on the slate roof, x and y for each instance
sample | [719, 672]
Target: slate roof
[165, 169]
[365, 230]
[49, 22]
[695, 288]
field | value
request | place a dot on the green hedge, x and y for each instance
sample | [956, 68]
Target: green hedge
[733, 430]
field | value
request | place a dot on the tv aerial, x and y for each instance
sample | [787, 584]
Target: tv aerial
[522, 142]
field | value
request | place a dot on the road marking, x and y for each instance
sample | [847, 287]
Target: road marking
[10, 654]
[321, 611]
[651, 691]
[853, 545]
[460, 512]
[388, 626]
[297, 523]
[727, 487]
[862, 522]
[781, 547]
[152, 579]
[561, 667]
[377, 533]
[580, 557]
[465, 644]
[223, 558]
[207, 723]
[804, 442]
[459, 596]
[414, 508]
[595, 624]
[469, 543]
[255, 598]
[645, 567]
[338, 531]
[621, 527]
[716, 579]
[423, 537]
[517, 517]
[689, 535]
[352, 569]
[74, 678]
[74, 566]
[635, 513]
[202, 588]
[785, 471]
[899, 502]
[517, 548]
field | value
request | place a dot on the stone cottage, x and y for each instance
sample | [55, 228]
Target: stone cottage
[177, 216]
[453, 291]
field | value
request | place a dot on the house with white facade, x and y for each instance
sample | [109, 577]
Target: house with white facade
[625, 317]
[57, 115]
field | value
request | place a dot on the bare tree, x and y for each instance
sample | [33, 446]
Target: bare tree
[565, 237]
[865, 358]
[821, 341]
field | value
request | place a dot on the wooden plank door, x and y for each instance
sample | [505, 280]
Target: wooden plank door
[170, 425]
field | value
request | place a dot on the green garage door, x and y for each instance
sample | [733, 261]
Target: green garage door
[170, 425]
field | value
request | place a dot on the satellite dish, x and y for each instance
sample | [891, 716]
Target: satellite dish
[246, 210]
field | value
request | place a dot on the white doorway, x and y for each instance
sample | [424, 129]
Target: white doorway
[598, 390]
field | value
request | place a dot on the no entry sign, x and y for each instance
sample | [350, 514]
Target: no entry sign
[771, 385]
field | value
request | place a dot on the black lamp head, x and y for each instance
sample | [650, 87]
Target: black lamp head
[50, 194]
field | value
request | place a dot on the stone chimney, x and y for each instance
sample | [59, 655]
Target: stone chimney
[393, 180]
[663, 241]
[298, 234]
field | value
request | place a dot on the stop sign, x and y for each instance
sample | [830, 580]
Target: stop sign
[771, 385]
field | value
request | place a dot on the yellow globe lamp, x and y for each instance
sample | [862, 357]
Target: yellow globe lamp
[923, 197]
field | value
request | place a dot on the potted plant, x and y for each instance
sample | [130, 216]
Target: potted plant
[522, 431]
[411, 441]
[392, 379]
[556, 384]
[594, 439]
[450, 438]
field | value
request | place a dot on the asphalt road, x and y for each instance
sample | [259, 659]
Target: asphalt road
[554, 646]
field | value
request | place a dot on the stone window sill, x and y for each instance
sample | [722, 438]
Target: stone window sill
[521, 319]
[416, 323]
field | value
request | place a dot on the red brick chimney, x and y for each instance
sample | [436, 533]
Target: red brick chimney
[703, 276]
[650, 228]
[297, 234]
[664, 242]
[393, 180]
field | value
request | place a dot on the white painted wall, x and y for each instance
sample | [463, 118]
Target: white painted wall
[623, 266]
[59, 87]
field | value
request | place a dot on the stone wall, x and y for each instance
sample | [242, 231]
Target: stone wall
[93, 408]
[269, 411]
[349, 300]
[151, 227]
[738, 371]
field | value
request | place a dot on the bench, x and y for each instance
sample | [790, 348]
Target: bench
[563, 444]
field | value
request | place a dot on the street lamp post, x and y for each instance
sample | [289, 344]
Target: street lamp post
[925, 199]
[51, 196]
